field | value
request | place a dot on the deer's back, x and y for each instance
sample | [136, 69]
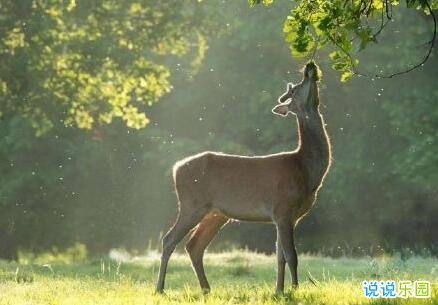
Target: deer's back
[246, 188]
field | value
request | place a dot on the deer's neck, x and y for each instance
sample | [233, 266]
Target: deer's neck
[314, 147]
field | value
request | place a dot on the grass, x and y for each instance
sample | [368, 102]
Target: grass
[236, 278]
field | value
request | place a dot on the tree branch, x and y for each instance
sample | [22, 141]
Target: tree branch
[421, 63]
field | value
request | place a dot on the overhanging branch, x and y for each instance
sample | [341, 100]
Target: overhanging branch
[431, 44]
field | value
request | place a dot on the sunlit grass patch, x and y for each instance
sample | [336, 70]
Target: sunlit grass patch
[236, 277]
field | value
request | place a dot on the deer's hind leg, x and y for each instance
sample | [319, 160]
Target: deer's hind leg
[199, 240]
[187, 219]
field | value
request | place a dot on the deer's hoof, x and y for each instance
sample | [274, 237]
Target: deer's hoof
[205, 290]
[159, 290]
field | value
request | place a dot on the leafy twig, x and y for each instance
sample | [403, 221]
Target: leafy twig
[421, 63]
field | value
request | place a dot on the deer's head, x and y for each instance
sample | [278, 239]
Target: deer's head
[301, 98]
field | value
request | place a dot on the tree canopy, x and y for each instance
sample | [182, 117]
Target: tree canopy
[347, 27]
[94, 61]
[113, 188]
[97, 61]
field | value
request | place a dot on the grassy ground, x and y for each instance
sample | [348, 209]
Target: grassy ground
[235, 277]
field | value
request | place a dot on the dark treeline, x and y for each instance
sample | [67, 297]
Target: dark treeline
[111, 186]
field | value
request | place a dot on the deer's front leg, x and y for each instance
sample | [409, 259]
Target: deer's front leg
[281, 263]
[285, 231]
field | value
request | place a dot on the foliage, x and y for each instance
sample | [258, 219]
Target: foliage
[86, 63]
[112, 187]
[75, 253]
[109, 282]
[415, 162]
[346, 26]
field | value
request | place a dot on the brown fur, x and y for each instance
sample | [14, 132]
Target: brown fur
[213, 187]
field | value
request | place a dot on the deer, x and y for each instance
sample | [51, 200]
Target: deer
[213, 188]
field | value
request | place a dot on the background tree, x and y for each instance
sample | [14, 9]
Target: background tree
[112, 188]
[85, 63]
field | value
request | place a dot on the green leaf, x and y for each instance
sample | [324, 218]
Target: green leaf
[346, 75]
